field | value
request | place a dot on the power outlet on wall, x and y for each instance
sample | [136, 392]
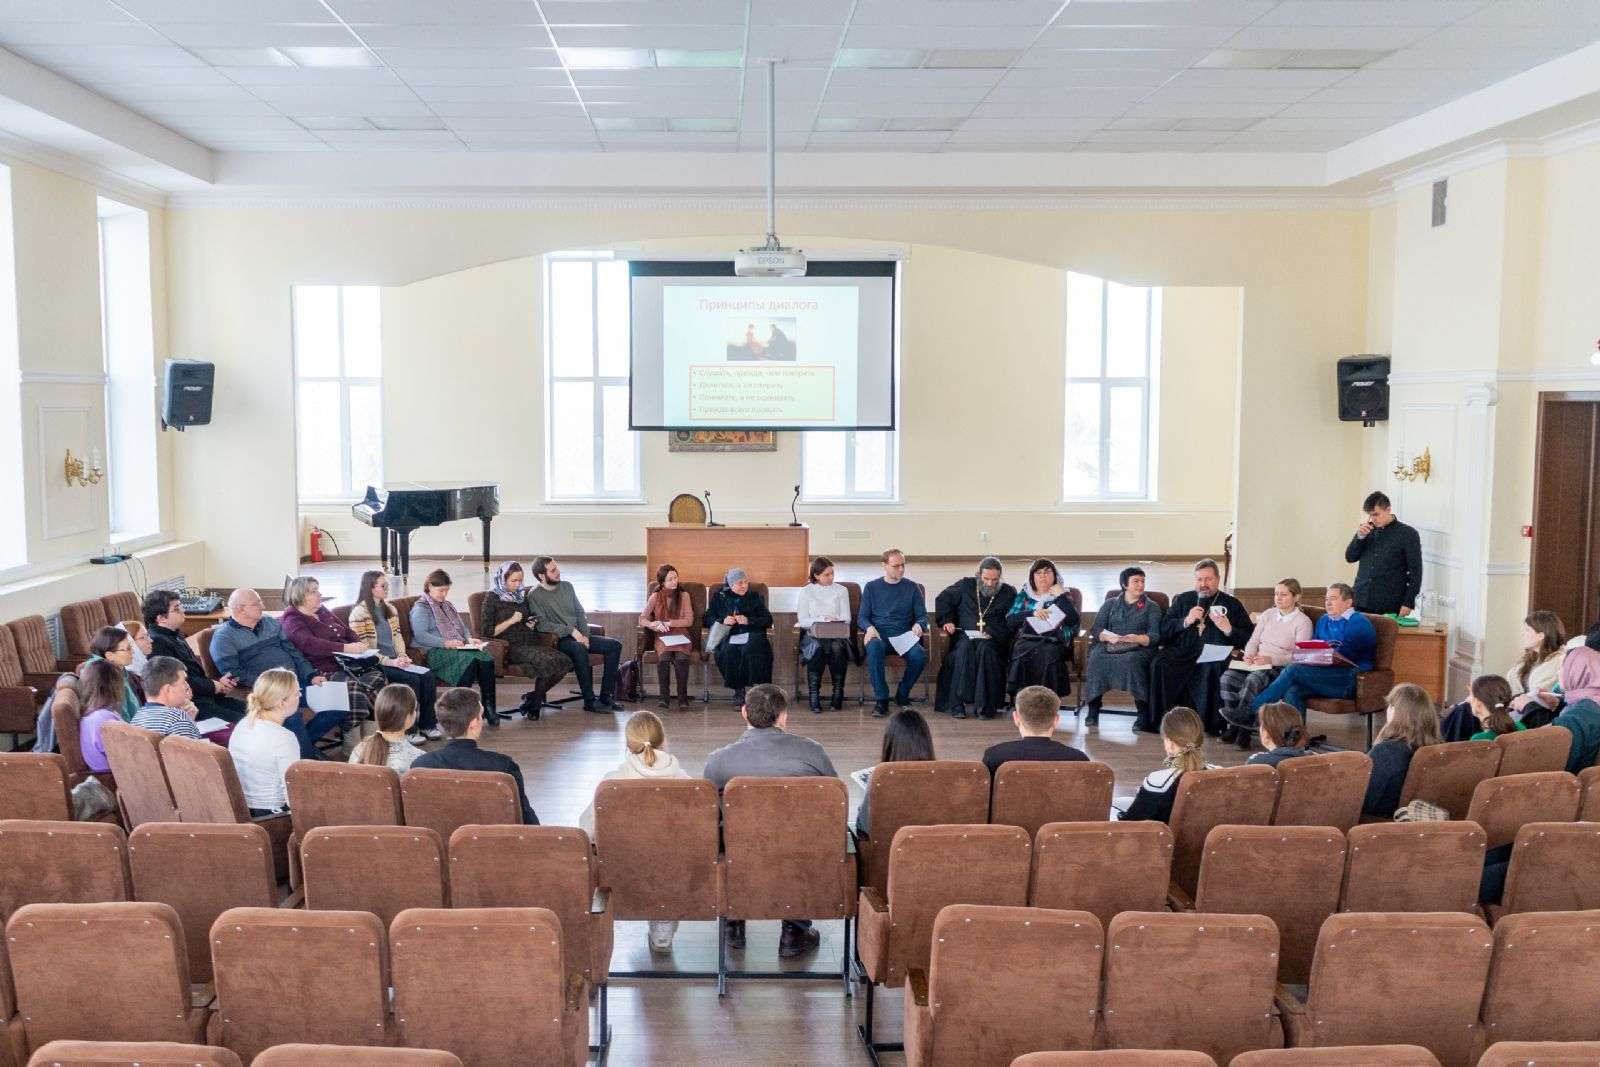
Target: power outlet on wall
[467, 535]
[983, 536]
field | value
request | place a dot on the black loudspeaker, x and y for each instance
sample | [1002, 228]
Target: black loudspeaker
[1364, 389]
[186, 393]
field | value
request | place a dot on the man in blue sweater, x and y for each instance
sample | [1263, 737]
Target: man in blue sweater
[248, 642]
[1350, 633]
[891, 606]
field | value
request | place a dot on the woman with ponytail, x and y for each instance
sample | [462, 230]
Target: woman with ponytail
[644, 756]
[395, 712]
[261, 746]
[1283, 734]
[1490, 698]
[1183, 736]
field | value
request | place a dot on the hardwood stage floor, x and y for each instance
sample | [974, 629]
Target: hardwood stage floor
[564, 755]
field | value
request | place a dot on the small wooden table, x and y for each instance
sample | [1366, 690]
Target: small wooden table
[1419, 657]
[776, 555]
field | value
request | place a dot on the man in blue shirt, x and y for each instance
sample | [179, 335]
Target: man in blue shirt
[891, 606]
[1350, 633]
[249, 642]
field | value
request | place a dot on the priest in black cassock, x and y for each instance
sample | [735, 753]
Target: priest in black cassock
[972, 613]
[1206, 616]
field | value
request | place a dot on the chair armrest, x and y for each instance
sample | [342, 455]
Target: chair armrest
[874, 900]
[22, 701]
[597, 629]
[872, 935]
[295, 899]
[1177, 899]
[1372, 690]
[1286, 1002]
[68, 666]
[42, 682]
[601, 902]
[577, 993]
[917, 984]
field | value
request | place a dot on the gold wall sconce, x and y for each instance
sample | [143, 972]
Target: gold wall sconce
[78, 474]
[1420, 467]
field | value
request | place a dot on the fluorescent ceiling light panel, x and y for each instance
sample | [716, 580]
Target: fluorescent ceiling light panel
[972, 58]
[244, 57]
[698, 57]
[319, 56]
[702, 125]
[606, 58]
[1245, 58]
[879, 57]
[604, 123]
[1332, 59]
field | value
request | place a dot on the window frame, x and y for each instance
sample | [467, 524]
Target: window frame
[851, 495]
[598, 382]
[1147, 384]
[143, 381]
[349, 493]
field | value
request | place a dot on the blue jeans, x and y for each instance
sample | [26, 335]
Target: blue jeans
[877, 651]
[1297, 683]
[309, 733]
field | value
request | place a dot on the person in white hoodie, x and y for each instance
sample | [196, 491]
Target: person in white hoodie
[646, 757]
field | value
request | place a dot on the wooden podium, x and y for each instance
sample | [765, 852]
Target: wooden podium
[776, 555]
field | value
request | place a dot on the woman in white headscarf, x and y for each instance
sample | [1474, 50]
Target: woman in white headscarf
[507, 616]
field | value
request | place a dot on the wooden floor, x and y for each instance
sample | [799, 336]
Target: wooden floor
[564, 755]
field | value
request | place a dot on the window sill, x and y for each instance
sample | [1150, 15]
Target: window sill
[853, 501]
[582, 501]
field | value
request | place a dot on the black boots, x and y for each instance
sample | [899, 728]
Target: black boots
[838, 696]
[814, 690]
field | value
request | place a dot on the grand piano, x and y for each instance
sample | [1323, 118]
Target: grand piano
[397, 509]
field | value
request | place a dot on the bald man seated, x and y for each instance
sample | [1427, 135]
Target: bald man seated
[249, 642]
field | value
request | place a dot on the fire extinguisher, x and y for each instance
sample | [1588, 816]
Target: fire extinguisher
[316, 544]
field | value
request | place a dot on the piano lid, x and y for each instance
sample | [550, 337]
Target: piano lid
[432, 486]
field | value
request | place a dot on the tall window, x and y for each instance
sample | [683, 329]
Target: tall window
[338, 368]
[849, 465]
[13, 516]
[1113, 352]
[128, 340]
[590, 454]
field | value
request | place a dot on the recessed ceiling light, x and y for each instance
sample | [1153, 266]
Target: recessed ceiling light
[624, 123]
[1332, 59]
[243, 57]
[1246, 58]
[321, 56]
[698, 57]
[922, 125]
[334, 122]
[408, 122]
[972, 58]
[702, 125]
[879, 57]
[606, 58]
[834, 124]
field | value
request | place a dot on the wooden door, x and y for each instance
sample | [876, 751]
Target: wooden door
[1566, 510]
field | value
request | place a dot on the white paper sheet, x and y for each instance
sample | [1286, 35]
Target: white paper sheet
[674, 640]
[903, 642]
[1215, 653]
[740, 639]
[415, 668]
[329, 696]
[862, 777]
[1049, 622]
[211, 726]
[976, 635]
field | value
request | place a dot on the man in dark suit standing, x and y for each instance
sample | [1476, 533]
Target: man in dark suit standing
[1388, 558]
[460, 714]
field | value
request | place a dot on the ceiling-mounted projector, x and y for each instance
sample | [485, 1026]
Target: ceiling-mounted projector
[770, 263]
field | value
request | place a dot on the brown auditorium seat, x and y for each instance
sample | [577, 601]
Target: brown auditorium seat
[323, 793]
[444, 800]
[1447, 774]
[929, 868]
[351, 1056]
[66, 713]
[548, 867]
[496, 647]
[786, 852]
[1413, 866]
[33, 785]
[1201, 982]
[1031, 794]
[1232, 796]
[1502, 805]
[79, 622]
[202, 644]
[205, 787]
[1542, 1054]
[20, 692]
[380, 869]
[121, 607]
[1372, 687]
[1589, 783]
[102, 972]
[1001, 981]
[1290, 874]
[1340, 1056]
[201, 870]
[1554, 867]
[39, 663]
[541, 1014]
[1104, 868]
[61, 863]
[1394, 978]
[1544, 979]
[134, 756]
[632, 820]
[1527, 751]
[313, 976]
[935, 793]
[131, 1054]
[1116, 1058]
[1323, 789]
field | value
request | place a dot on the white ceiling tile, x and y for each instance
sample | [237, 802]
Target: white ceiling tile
[441, 77]
[504, 139]
[871, 109]
[916, 78]
[1221, 78]
[244, 57]
[256, 35]
[699, 37]
[109, 55]
[1369, 12]
[530, 35]
[414, 137]
[988, 132]
[311, 145]
[931, 94]
[1076, 102]
[1311, 109]
[810, 13]
[1142, 124]
[520, 122]
[497, 94]
[160, 11]
[1136, 36]
[506, 109]
[1030, 79]
[1227, 95]
[1055, 123]
[881, 140]
[1296, 138]
[1566, 38]
[204, 134]
[922, 36]
[654, 76]
[687, 93]
[240, 124]
[364, 95]
[113, 79]
[333, 122]
[1183, 109]
[1317, 37]
[953, 145]
[77, 33]
[793, 43]
[1536, 13]
[205, 108]
[1326, 124]
[644, 12]
[470, 57]
[698, 138]
[1091, 58]
[1164, 12]
[755, 118]
[1458, 81]
[1379, 95]
[1213, 125]
[157, 91]
[1502, 59]
[611, 124]
[61, 11]
[1028, 13]
[1171, 138]
[311, 77]
[663, 108]
[432, 12]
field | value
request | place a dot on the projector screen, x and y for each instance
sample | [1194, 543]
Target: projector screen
[711, 351]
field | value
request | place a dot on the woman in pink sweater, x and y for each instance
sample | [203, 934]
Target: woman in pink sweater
[1269, 650]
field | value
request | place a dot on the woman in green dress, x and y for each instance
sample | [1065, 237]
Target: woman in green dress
[453, 653]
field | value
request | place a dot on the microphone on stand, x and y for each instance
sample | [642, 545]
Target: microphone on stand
[710, 516]
[792, 504]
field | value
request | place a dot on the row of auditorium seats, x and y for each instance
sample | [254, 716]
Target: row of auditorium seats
[173, 1054]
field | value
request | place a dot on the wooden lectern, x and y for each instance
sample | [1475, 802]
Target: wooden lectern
[776, 555]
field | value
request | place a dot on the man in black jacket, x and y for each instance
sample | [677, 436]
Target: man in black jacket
[163, 617]
[1388, 555]
[460, 714]
[1205, 623]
